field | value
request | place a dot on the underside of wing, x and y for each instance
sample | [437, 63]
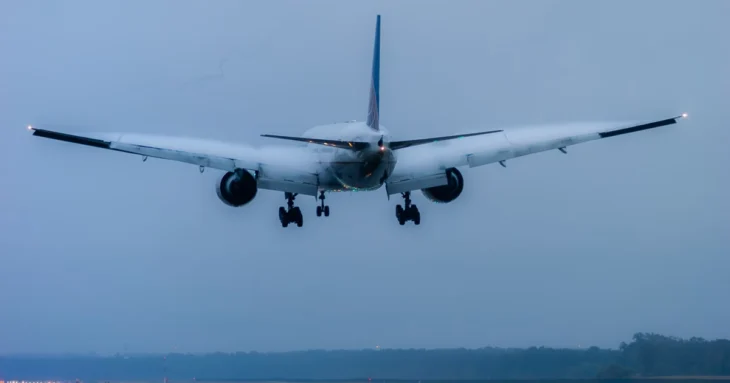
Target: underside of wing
[150, 150]
[276, 168]
[421, 163]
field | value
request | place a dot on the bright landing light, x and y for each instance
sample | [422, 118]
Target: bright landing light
[684, 115]
[30, 128]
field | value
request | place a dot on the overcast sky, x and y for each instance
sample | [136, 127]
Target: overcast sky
[102, 252]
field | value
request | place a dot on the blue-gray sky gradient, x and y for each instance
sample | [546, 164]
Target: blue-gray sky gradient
[102, 252]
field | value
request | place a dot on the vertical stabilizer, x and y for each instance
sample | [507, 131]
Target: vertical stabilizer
[373, 120]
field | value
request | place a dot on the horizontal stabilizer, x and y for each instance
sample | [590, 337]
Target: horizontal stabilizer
[395, 145]
[352, 145]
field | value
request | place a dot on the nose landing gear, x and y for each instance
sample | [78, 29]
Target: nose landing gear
[409, 212]
[322, 208]
[290, 214]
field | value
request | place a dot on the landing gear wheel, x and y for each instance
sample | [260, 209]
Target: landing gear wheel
[400, 214]
[322, 208]
[415, 215]
[297, 216]
[283, 217]
[291, 214]
[409, 212]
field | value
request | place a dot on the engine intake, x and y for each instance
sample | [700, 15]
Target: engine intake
[449, 192]
[237, 189]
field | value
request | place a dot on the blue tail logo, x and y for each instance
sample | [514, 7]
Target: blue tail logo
[373, 120]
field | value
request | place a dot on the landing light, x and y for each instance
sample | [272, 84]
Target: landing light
[382, 148]
[684, 115]
[30, 128]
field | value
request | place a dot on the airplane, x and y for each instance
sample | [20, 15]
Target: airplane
[354, 156]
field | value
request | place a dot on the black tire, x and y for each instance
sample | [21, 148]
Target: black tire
[319, 211]
[283, 217]
[414, 214]
[327, 211]
[400, 214]
[297, 216]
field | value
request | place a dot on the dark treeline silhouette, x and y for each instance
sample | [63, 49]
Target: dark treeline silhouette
[658, 355]
[646, 355]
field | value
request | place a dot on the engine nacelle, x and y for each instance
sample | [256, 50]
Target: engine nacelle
[449, 192]
[237, 190]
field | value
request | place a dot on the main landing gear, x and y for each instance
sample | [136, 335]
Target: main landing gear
[409, 212]
[292, 214]
[322, 208]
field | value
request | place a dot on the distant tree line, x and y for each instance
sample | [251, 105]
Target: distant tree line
[646, 355]
[659, 355]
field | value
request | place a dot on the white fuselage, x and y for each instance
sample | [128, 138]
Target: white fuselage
[349, 170]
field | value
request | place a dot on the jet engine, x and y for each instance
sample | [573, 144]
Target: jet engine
[449, 192]
[236, 189]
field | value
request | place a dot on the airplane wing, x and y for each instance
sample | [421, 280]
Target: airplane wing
[281, 169]
[425, 166]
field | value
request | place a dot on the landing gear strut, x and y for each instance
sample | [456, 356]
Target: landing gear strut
[409, 212]
[292, 214]
[322, 208]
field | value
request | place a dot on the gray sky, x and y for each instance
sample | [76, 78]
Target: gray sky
[101, 252]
